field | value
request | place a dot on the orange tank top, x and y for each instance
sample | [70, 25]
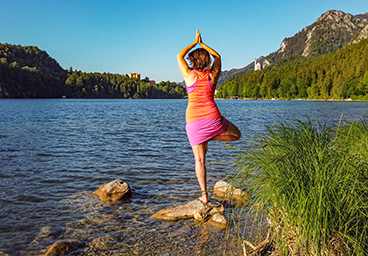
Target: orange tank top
[201, 103]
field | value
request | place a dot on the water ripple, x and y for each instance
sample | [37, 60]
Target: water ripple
[55, 153]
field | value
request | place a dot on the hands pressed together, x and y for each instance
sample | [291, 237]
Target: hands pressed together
[198, 38]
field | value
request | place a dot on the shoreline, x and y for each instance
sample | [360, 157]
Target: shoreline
[274, 99]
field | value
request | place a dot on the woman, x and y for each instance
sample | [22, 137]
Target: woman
[204, 121]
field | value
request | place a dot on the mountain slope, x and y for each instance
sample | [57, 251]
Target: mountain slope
[330, 32]
[29, 72]
[339, 75]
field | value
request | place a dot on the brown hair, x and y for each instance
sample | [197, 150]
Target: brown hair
[200, 59]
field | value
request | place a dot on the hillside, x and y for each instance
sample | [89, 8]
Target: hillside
[28, 72]
[339, 75]
[330, 32]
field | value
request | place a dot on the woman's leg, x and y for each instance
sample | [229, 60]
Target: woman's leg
[232, 134]
[199, 152]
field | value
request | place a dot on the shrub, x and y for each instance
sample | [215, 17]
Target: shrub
[312, 182]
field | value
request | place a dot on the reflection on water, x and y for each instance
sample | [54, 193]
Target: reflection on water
[54, 153]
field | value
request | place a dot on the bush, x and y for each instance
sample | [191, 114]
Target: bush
[312, 182]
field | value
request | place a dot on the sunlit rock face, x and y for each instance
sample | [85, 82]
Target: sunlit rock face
[114, 191]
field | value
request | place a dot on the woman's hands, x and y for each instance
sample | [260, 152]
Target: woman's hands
[198, 38]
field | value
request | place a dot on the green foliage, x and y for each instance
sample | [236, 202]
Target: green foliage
[339, 75]
[313, 183]
[28, 72]
[97, 85]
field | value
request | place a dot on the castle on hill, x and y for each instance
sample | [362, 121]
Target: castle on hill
[135, 76]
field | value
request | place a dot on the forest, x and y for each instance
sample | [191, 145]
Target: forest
[342, 74]
[28, 72]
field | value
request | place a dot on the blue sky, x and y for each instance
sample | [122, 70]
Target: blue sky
[145, 36]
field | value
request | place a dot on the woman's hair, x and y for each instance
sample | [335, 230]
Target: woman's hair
[200, 59]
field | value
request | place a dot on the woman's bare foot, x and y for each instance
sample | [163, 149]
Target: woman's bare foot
[204, 198]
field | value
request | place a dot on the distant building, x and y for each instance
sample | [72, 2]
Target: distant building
[152, 82]
[135, 76]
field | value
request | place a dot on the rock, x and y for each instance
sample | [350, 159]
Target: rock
[218, 220]
[63, 248]
[219, 209]
[114, 191]
[226, 191]
[199, 216]
[182, 212]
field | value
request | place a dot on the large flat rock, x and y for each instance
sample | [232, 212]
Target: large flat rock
[185, 211]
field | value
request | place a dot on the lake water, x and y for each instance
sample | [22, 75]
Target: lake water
[55, 152]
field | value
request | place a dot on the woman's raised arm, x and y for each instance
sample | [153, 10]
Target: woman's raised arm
[185, 70]
[216, 65]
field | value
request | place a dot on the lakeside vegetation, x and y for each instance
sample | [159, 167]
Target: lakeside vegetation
[339, 75]
[28, 72]
[312, 183]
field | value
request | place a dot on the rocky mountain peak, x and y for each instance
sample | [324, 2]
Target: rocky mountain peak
[331, 31]
[335, 16]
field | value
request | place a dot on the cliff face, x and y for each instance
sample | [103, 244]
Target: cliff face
[330, 32]
[363, 34]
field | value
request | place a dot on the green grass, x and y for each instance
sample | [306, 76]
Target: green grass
[312, 181]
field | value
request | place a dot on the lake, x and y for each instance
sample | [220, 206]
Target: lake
[55, 152]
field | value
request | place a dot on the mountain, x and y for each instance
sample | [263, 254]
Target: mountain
[330, 32]
[342, 74]
[228, 73]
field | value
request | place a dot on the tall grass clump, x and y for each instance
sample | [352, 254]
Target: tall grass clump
[311, 181]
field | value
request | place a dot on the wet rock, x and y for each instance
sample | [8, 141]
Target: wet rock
[226, 191]
[184, 211]
[64, 248]
[200, 216]
[114, 191]
[218, 209]
[218, 220]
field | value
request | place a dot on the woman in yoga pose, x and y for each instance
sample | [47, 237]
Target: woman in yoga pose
[204, 121]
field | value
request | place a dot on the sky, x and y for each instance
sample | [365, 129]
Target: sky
[145, 36]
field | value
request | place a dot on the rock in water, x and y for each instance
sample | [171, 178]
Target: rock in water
[184, 211]
[63, 248]
[226, 191]
[114, 191]
[218, 220]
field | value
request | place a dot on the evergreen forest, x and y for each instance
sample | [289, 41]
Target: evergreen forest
[342, 74]
[28, 72]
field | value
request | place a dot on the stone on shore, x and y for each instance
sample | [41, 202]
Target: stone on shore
[218, 220]
[114, 191]
[193, 209]
[63, 248]
[226, 191]
[182, 212]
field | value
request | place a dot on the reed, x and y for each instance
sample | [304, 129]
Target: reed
[311, 181]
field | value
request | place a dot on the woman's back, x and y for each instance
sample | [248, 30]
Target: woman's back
[201, 104]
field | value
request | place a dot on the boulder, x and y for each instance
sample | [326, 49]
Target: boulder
[218, 220]
[114, 191]
[218, 209]
[225, 191]
[188, 210]
[63, 248]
